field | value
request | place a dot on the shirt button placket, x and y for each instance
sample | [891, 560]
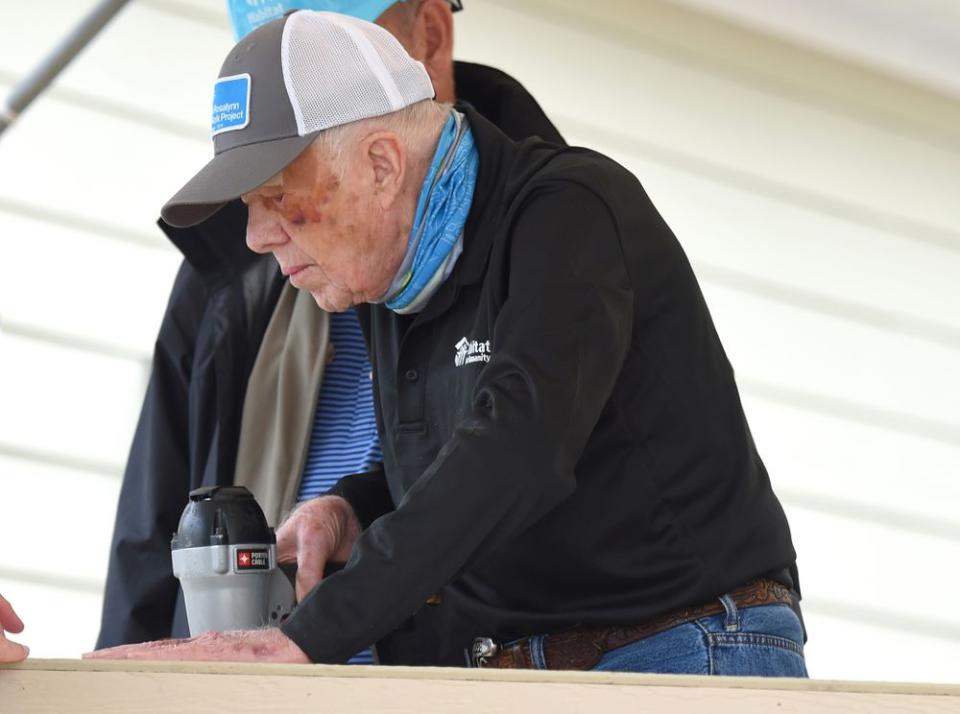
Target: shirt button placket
[410, 386]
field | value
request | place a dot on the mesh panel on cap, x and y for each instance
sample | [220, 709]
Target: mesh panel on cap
[410, 77]
[338, 70]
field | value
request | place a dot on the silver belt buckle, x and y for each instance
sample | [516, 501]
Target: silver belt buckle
[483, 649]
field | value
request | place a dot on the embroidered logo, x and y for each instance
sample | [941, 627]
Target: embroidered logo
[470, 351]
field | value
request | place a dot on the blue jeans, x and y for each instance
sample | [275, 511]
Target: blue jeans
[763, 641]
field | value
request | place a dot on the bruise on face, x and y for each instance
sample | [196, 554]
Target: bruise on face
[299, 211]
[309, 186]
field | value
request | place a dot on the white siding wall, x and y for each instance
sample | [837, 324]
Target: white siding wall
[816, 200]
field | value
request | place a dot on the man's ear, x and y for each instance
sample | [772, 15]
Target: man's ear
[388, 165]
[433, 37]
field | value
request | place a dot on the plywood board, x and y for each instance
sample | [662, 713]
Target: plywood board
[75, 686]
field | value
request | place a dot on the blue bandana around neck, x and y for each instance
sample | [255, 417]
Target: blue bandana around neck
[436, 239]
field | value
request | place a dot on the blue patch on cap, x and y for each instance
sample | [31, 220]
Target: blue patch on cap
[231, 104]
[247, 15]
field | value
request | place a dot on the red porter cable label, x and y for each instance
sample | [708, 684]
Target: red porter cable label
[253, 560]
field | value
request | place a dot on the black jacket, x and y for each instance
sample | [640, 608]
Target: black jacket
[562, 435]
[189, 426]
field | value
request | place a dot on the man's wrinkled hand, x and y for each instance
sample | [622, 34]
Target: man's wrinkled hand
[9, 622]
[267, 645]
[320, 531]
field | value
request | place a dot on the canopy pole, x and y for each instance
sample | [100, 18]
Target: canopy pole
[70, 46]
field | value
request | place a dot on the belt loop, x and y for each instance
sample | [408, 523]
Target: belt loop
[732, 621]
[537, 658]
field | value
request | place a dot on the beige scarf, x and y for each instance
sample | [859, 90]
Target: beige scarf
[279, 406]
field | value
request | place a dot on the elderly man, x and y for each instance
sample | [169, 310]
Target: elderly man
[567, 463]
[252, 384]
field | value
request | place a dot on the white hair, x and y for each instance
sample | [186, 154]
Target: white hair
[416, 125]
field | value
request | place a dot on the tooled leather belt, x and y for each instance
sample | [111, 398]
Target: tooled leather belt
[583, 647]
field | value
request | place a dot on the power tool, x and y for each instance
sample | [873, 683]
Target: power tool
[225, 556]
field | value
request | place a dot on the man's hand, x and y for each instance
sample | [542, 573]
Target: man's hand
[320, 531]
[267, 645]
[9, 622]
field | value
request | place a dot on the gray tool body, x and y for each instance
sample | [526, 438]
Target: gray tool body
[225, 556]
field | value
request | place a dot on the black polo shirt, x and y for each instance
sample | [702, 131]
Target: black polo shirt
[562, 435]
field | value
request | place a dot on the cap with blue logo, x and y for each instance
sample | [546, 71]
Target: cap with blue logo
[247, 15]
[283, 84]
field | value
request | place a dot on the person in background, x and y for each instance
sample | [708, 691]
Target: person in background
[252, 384]
[10, 651]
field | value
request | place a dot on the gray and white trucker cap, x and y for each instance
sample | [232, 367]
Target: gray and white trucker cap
[283, 84]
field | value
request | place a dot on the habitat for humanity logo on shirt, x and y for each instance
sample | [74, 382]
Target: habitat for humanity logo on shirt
[470, 351]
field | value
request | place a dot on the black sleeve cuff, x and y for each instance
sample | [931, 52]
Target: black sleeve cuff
[367, 494]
